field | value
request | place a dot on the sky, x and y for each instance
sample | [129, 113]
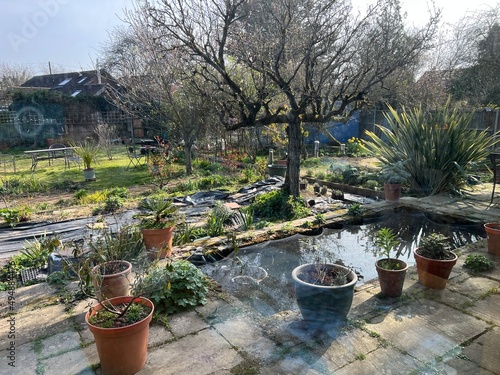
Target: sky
[70, 33]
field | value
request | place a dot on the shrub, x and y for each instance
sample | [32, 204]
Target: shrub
[277, 205]
[438, 146]
[177, 286]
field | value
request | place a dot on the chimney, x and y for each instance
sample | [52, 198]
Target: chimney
[98, 72]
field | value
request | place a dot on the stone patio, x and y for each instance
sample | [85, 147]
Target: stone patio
[453, 331]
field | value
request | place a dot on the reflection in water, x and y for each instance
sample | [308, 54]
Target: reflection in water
[260, 275]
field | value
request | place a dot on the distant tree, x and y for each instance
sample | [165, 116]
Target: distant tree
[289, 61]
[157, 88]
[479, 84]
[105, 134]
[12, 75]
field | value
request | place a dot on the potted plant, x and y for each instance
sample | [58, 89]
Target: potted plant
[120, 326]
[316, 187]
[391, 271]
[112, 254]
[303, 184]
[393, 175]
[337, 194]
[324, 190]
[157, 225]
[493, 237]
[434, 261]
[324, 292]
[87, 151]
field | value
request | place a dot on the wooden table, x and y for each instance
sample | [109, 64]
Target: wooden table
[48, 154]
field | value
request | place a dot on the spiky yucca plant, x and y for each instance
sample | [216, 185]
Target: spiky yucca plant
[437, 146]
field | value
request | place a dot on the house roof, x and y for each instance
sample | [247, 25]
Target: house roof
[73, 84]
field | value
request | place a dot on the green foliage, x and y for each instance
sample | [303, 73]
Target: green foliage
[355, 209]
[478, 263]
[243, 218]
[113, 203]
[88, 151]
[59, 278]
[394, 173]
[435, 246]
[371, 184]
[319, 219]
[23, 185]
[351, 175]
[311, 162]
[437, 146]
[277, 205]
[126, 244]
[385, 241]
[320, 175]
[10, 216]
[129, 314]
[217, 218]
[177, 286]
[34, 254]
[213, 181]
[157, 213]
[186, 233]
[354, 147]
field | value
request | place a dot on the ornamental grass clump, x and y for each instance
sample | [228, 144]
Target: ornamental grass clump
[437, 146]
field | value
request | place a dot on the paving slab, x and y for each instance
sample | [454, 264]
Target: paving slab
[484, 351]
[427, 329]
[60, 343]
[186, 323]
[381, 361]
[487, 309]
[25, 361]
[28, 298]
[247, 337]
[73, 362]
[203, 353]
[31, 325]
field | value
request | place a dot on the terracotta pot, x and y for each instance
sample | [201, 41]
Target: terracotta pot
[113, 285]
[122, 350]
[493, 237]
[282, 162]
[392, 192]
[159, 241]
[433, 273]
[391, 281]
[320, 303]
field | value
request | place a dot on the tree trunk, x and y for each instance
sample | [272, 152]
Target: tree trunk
[187, 156]
[293, 166]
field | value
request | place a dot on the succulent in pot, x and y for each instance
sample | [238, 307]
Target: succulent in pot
[393, 175]
[157, 221]
[434, 260]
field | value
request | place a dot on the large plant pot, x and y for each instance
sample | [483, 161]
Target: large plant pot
[89, 174]
[122, 350]
[324, 304]
[493, 237]
[113, 285]
[159, 241]
[391, 281]
[276, 170]
[392, 192]
[433, 273]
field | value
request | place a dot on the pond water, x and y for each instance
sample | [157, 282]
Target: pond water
[260, 275]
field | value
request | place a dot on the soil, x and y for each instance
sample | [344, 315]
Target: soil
[322, 275]
[107, 319]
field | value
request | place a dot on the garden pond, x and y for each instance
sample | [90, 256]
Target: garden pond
[260, 275]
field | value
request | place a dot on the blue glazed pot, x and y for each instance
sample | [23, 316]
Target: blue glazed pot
[324, 304]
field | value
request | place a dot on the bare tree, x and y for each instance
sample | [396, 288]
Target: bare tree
[12, 75]
[105, 134]
[157, 86]
[288, 61]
